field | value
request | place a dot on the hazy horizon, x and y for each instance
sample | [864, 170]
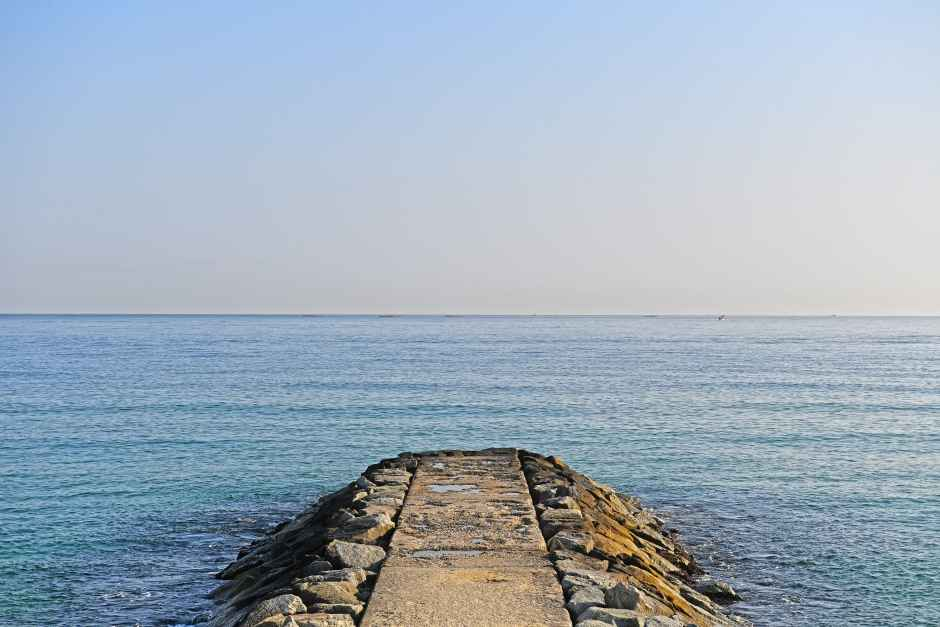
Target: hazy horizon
[409, 159]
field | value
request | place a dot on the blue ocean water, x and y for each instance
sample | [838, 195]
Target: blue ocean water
[800, 457]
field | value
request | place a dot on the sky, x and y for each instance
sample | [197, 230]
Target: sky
[486, 157]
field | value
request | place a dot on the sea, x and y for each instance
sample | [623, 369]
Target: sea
[799, 457]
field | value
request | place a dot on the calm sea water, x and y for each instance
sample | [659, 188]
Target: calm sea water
[800, 457]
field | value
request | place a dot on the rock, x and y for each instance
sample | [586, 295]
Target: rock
[555, 520]
[562, 502]
[352, 609]
[281, 604]
[364, 483]
[316, 567]
[321, 620]
[624, 597]
[354, 576]
[592, 623]
[663, 621]
[568, 515]
[341, 518]
[543, 492]
[569, 560]
[365, 529]
[342, 592]
[393, 491]
[578, 579]
[352, 555]
[389, 477]
[584, 598]
[718, 591]
[611, 616]
[580, 541]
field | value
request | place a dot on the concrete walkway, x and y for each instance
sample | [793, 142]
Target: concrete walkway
[467, 550]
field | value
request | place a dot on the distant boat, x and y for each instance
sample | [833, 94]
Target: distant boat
[722, 317]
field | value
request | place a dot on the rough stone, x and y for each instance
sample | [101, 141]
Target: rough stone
[389, 477]
[663, 621]
[352, 609]
[326, 592]
[321, 620]
[570, 540]
[281, 604]
[364, 483]
[353, 555]
[718, 591]
[316, 567]
[584, 598]
[611, 616]
[578, 579]
[365, 529]
[354, 576]
[624, 596]
[562, 502]
[573, 559]
[560, 515]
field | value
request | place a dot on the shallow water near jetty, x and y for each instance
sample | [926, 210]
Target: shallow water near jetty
[799, 457]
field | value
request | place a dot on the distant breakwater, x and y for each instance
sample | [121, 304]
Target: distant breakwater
[491, 537]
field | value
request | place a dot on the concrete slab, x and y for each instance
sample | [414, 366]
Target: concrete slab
[467, 550]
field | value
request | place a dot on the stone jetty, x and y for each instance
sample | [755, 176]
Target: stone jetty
[492, 537]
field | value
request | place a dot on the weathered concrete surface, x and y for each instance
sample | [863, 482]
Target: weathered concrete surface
[467, 550]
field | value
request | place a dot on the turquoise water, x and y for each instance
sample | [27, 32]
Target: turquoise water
[800, 457]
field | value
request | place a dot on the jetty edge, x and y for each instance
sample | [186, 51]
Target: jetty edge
[497, 536]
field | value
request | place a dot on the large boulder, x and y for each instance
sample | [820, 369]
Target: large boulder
[281, 604]
[320, 620]
[612, 616]
[625, 597]
[718, 591]
[583, 598]
[326, 592]
[572, 540]
[365, 529]
[354, 555]
[352, 609]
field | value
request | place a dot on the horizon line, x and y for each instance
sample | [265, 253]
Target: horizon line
[392, 314]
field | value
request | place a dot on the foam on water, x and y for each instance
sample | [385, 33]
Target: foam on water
[800, 457]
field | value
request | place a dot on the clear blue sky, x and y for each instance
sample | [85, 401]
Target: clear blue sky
[498, 157]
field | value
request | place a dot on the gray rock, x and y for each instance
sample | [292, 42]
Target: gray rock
[544, 492]
[281, 604]
[354, 576]
[584, 598]
[570, 540]
[320, 620]
[611, 616]
[559, 515]
[352, 609]
[624, 597]
[563, 502]
[389, 477]
[592, 623]
[364, 483]
[365, 529]
[578, 579]
[272, 621]
[718, 591]
[353, 555]
[316, 567]
[582, 561]
[342, 592]
[663, 621]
